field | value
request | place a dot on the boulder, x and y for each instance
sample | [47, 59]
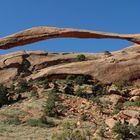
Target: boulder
[131, 113]
[110, 122]
[135, 92]
[134, 121]
[113, 98]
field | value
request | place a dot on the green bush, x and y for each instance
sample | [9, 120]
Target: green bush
[122, 130]
[34, 93]
[51, 106]
[135, 103]
[69, 125]
[135, 130]
[101, 132]
[81, 57]
[22, 86]
[99, 89]
[70, 135]
[84, 117]
[81, 79]
[42, 122]
[69, 89]
[45, 83]
[118, 107]
[3, 95]
[13, 121]
[121, 84]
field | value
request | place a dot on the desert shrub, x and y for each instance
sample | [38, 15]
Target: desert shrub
[70, 135]
[84, 117]
[79, 92]
[81, 79]
[13, 121]
[69, 89]
[12, 88]
[121, 84]
[70, 77]
[99, 89]
[135, 130]
[81, 57]
[117, 108]
[101, 132]
[50, 107]
[41, 122]
[107, 53]
[34, 93]
[22, 86]
[69, 125]
[96, 100]
[124, 52]
[135, 103]
[122, 130]
[3, 95]
[53, 107]
[45, 83]
[71, 132]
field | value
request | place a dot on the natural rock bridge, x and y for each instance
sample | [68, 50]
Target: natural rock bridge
[43, 33]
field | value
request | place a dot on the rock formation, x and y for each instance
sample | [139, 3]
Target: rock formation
[120, 65]
[43, 33]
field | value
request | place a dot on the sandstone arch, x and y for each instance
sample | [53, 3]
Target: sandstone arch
[36, 34]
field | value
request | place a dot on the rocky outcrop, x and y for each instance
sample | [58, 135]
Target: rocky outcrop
[43, 33]
[36, 64]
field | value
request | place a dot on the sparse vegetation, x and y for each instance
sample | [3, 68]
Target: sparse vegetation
[34, 93]
[135, 103]
[107, 53]
[121, 84]
[99, 89]
[59, 105]
[118, 107]
[53, 107]
[70, 132]
[69, 89]
[13, 121]
[84, 117]
[22, 86]
[3, 95]
[101, 132]
[81, 79]
[81, 57]
[41, 122]
[122, 130]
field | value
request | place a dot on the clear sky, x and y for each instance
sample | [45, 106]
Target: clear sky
[121, 16]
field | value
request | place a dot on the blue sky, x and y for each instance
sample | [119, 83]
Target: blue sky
[122, 16]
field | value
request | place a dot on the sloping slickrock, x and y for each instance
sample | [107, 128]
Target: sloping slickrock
[113, 98]
[134, 121]
[131, 113]
[101, 69]
[135, 92]
[40, 63]
[110, 122]
[8, 75]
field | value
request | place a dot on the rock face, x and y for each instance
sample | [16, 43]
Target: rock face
[36, 64]
[43, 33]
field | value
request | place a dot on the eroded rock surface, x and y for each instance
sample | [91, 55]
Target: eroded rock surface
[36, 64]
[43, 33]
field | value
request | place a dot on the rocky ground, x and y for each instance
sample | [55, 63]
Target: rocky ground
[67, 96]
